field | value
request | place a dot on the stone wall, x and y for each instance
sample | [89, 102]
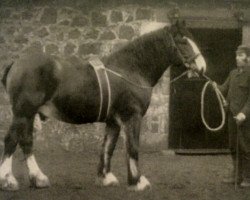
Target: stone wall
[83, 28]
[79, 32]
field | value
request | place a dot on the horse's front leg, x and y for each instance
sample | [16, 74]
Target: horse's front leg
[136, 181]
[105, 176]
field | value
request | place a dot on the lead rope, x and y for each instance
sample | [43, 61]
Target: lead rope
[178, 77]
[222, 103]
[220, 97]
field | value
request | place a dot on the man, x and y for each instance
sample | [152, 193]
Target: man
[237, 91]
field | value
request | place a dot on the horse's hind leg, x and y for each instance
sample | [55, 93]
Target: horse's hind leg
[136, 181]
[37, 177]
[20, 132]
[7, 180]
[105, 176]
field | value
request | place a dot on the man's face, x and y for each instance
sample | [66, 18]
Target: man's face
[241, 59]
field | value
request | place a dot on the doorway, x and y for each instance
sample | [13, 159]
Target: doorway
[186, 130]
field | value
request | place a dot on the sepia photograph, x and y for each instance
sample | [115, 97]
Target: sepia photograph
[125, 99]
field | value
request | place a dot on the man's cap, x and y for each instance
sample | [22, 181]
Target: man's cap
[244, 48]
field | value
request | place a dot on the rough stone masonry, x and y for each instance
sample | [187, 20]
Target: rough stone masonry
[79, 31]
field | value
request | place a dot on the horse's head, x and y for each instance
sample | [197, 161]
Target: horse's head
[189, 51]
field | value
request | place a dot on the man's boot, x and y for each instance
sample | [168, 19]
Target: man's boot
[245, 170]
[231, 177]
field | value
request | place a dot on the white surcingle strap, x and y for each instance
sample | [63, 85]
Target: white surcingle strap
[104, 87]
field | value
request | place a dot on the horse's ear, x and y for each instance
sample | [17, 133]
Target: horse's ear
[184, 24]
[180, 23]
[176, 23]
[177, 26]
[174, 29]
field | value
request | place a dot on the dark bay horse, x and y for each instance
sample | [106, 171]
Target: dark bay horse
[58, 88]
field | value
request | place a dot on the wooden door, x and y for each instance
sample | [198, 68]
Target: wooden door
[186, 129]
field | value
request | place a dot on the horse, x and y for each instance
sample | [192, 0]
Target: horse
[56, 87]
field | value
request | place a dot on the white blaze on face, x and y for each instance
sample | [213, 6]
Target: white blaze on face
[199, 60]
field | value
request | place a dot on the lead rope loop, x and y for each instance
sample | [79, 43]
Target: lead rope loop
[222, 104]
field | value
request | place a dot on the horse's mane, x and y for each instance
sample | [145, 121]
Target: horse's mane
[151, 36]
[145, 55]
[148, 40]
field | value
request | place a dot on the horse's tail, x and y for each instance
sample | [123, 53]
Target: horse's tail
[5, 74]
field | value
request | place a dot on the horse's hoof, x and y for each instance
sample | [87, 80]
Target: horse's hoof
[108, 180]
[9, 183]
[142, 185]
[39, 181]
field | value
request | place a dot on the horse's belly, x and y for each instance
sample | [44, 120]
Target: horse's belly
[74, 117]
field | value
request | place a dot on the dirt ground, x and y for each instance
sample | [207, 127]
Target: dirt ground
[173, 177]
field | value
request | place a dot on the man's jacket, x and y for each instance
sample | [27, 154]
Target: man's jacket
[236, 88]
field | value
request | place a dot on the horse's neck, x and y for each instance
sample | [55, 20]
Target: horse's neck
[144, 63]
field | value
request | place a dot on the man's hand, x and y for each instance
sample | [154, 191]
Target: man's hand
[240, 118]
[214, 84]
